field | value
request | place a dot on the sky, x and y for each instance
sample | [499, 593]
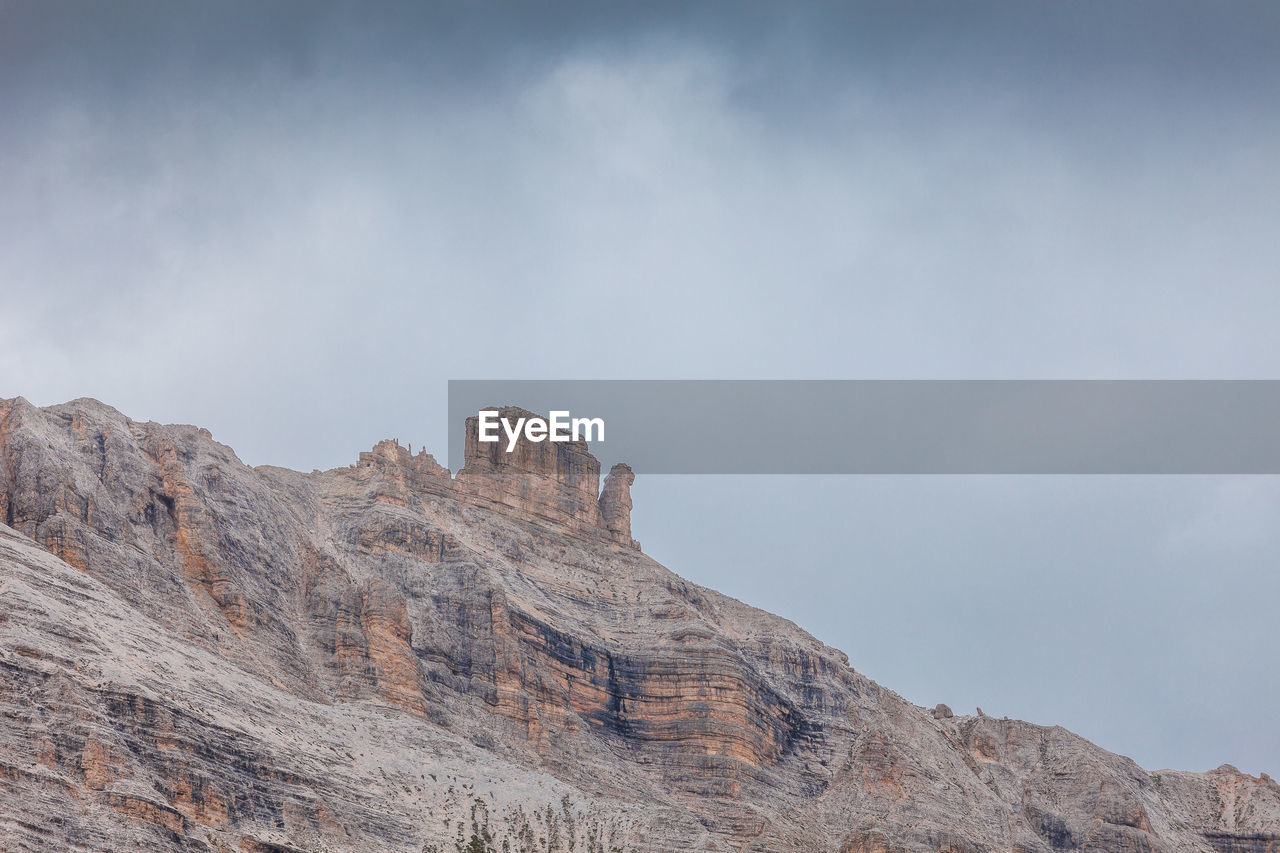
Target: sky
[292, 223]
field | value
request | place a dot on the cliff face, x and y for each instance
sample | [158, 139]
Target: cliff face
[202, 655]
[551, 482]
[615, 504]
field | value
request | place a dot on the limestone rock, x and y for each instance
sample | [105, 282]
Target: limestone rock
[942, 712]
[615, 504]
[554, 482]
[200, 655]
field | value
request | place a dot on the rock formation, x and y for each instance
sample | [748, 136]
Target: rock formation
[199, 655]
[556, 482]
[615, 504]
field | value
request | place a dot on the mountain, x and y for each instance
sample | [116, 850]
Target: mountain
[202, 655]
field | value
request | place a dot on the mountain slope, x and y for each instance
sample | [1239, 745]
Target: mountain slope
[203, 655]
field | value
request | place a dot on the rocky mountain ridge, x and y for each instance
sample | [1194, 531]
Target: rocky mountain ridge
[200, 655]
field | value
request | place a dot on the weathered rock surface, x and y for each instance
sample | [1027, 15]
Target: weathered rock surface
[199, 655]
[555, 482]
[615, 504]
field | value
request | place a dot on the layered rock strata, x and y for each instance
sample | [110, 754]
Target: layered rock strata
[202, 655]
[615, 504]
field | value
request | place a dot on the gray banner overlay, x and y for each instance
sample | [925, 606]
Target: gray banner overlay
[906, 427]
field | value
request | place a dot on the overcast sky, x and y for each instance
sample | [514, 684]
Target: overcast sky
[292, 222]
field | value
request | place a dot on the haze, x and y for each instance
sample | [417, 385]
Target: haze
[291, 223]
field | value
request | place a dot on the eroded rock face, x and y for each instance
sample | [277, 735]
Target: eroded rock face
[555, 482]
[201, 655]
[615, 504]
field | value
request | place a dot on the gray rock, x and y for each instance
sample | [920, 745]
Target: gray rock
[200, 655]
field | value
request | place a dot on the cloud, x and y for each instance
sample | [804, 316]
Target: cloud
[1236, 516]
[293, 222]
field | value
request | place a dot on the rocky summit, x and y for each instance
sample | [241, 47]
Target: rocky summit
[201, 655]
